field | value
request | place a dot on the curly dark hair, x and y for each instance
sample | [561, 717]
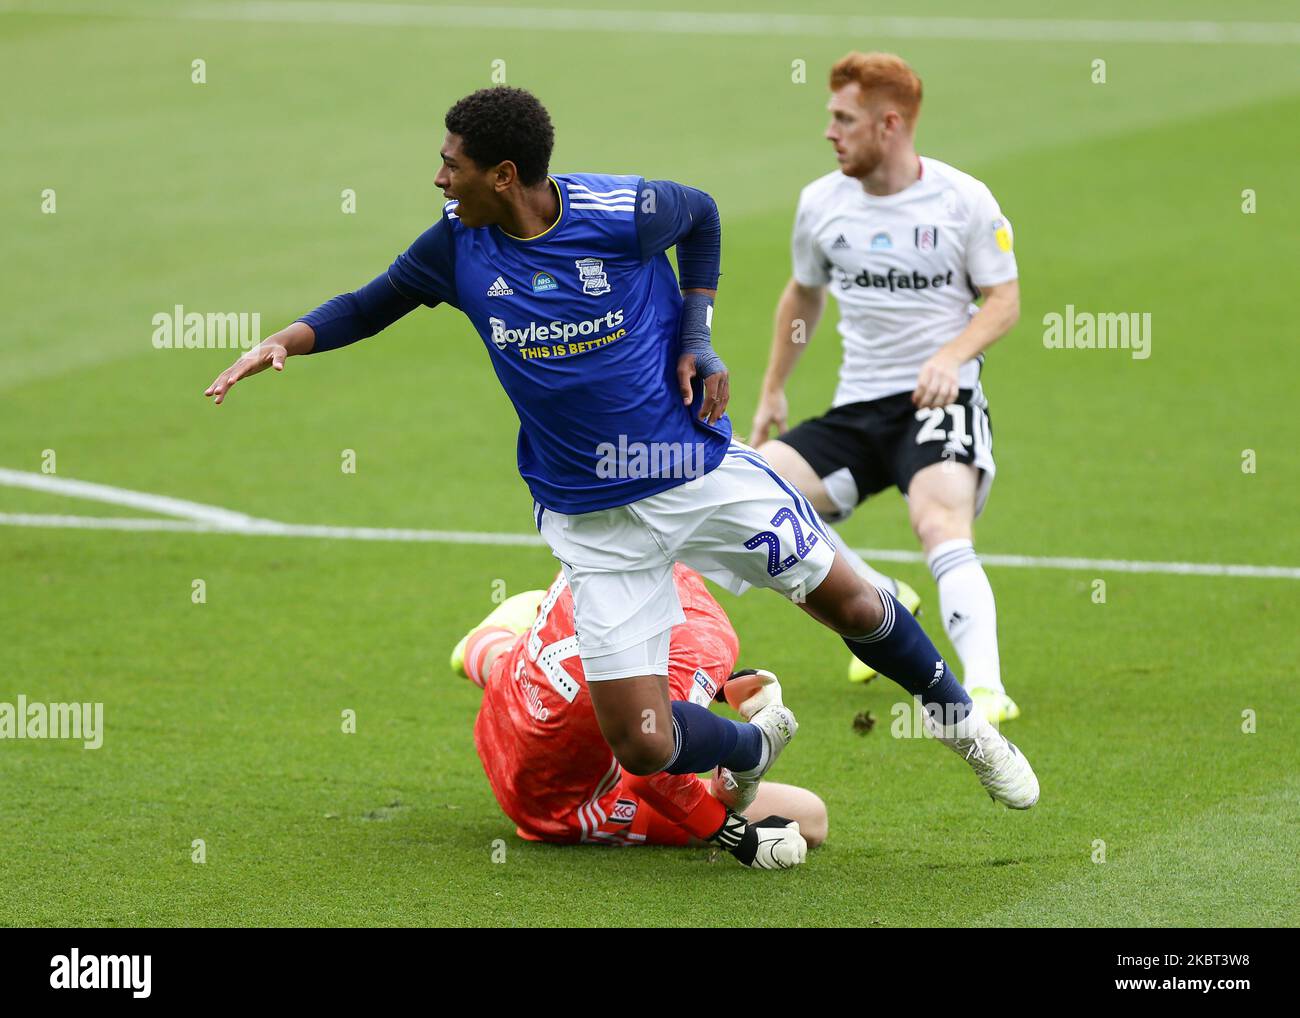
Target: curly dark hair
[502, 123]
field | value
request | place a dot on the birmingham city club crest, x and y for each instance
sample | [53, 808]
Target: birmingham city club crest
[591, 271]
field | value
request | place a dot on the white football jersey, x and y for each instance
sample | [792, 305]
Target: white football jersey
[904, 267]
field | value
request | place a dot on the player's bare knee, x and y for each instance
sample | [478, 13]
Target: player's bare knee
[815, 824]
[859, 613]
[846, 603]
[937, 524]
[867, 613]
[801, 805]
[642, 753]
[787, 462]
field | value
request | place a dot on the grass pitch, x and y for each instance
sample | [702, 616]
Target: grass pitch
[223, 719]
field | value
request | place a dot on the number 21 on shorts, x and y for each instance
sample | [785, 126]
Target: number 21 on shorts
[933, 417]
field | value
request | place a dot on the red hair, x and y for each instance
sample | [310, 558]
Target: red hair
[881, 76]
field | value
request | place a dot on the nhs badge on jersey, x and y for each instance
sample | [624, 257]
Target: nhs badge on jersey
[881, 241]
[543, 281]
[624, 811]
[703, 689]
[927, 238]
[591, 273]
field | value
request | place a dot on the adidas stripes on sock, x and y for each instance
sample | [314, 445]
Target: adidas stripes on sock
[970, 617]
[900, 650]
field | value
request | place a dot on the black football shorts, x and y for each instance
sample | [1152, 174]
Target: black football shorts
[859, 449]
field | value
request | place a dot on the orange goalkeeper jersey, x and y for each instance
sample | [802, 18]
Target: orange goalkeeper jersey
[542, 749]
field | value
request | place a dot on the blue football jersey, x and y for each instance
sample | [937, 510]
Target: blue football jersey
[581, 325]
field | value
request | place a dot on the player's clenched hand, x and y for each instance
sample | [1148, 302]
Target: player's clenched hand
[937, 383]
[717, 388]
[773, 843]
[263, 356]
[773, 412]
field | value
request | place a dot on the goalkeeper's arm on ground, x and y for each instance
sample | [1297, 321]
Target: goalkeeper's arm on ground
[771, 843]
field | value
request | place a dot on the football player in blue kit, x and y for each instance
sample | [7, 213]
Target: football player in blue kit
[624, 441]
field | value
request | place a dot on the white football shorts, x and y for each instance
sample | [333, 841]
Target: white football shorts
[740, 525]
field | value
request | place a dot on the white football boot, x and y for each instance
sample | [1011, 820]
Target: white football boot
[1002, 769]
[757, 697]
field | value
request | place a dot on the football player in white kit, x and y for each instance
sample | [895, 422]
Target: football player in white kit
[907, 244]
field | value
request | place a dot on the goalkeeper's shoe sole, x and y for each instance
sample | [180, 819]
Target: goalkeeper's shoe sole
[860, 671]
[514, 613]
[751, 690]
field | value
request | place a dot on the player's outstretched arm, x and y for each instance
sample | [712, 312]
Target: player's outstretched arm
[797, 314]
[297, 338]
[338, 322]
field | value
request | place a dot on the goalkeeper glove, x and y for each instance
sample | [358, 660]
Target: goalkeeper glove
[773, 843]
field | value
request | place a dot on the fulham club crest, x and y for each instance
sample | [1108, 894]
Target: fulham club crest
[927, 238]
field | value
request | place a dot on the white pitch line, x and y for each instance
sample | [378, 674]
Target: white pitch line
[267, 528]
[112, 523]
[122, 496]
[698, 23]
[1112, 565]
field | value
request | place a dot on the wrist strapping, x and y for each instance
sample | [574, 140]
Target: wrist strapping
[697, 334]
[732, 832]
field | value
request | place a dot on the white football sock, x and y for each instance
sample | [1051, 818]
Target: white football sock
[876, 579]
[970, 618]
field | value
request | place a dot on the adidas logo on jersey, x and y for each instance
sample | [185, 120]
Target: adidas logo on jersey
[840, 244]
[500, 288]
